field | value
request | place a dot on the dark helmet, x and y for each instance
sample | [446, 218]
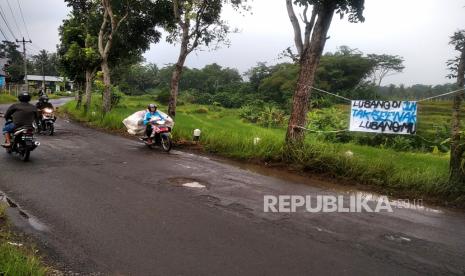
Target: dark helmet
[24, 97]
[43, 99]
[150, 106]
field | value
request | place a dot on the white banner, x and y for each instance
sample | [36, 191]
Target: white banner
[395, 117]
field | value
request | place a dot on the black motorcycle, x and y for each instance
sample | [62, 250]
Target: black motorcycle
[23, 143]
[46, 121]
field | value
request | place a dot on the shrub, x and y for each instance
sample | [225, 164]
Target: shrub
[201, 110]
[250, 113]
[401, 143]
[268, 116]
[320, 102]
[116, 96]
[330, 119]
[271, 116]
[164, 96]
[187, 97]
[203, 98]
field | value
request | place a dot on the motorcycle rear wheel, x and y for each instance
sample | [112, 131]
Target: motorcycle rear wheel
[51, 130]
[24, 156]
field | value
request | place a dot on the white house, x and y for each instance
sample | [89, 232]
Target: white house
[53, 83]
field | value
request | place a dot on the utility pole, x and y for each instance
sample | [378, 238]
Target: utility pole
[43, 79]
[25, 61]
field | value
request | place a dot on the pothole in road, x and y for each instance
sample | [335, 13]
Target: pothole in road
[194, 184]
[185, 182]
[397, 238]
[33, 222]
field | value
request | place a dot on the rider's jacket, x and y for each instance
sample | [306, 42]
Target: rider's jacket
[149, 115]
[22, 114]
[42, 105]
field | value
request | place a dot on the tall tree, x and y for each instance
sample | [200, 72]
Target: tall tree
[138, 79]
[310, 47]
[385, 65]
[257, 73]
[10, 50]
[78, 49]
[457, 152]
[45, 63]
[108, 30]
[197, 23]
[119, 32]
[79, 58]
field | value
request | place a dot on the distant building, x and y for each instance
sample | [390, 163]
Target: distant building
[3, 74]
[52, 83]
[3, 62]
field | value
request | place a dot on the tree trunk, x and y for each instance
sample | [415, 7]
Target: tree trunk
[457, 150]
[107, 86]
[104, 48]
[176, 76]
[308, 64]
[296, 26]
[79, 97]
[89, 78]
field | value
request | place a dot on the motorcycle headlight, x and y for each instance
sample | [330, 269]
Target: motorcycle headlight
[48, 110]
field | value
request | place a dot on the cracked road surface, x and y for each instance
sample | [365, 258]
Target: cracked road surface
[103, 204]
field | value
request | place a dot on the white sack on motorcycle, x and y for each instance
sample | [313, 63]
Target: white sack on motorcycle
[135, 122]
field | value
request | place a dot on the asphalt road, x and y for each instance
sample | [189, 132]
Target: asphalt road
[100, 203]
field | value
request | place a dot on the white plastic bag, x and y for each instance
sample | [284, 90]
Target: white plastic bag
[168, 120]
[135, 123]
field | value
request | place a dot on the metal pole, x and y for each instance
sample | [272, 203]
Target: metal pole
[25, 61]
[43, 79]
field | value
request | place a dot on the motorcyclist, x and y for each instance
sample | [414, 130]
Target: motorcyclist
[19, 115]
[152, 114]
[42, 104]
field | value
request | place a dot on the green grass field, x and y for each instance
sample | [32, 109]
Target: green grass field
[6, 98]
[224, 133]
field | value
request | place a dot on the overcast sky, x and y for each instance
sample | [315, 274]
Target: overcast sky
[417, 30]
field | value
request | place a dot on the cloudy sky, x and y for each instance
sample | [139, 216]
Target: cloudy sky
[417, 30]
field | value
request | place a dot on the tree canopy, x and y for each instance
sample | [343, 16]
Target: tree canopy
[15, 69]
[457, 40]
[385, 65]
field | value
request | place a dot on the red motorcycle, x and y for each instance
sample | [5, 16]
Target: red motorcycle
[161, 135]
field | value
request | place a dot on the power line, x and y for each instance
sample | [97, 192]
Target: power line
[14, 18]
[24, 21]
[31, 51]
[442, 95]
[1, 31]
[25, 61]
[3, 15]
[329, 93]
[37, 47]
